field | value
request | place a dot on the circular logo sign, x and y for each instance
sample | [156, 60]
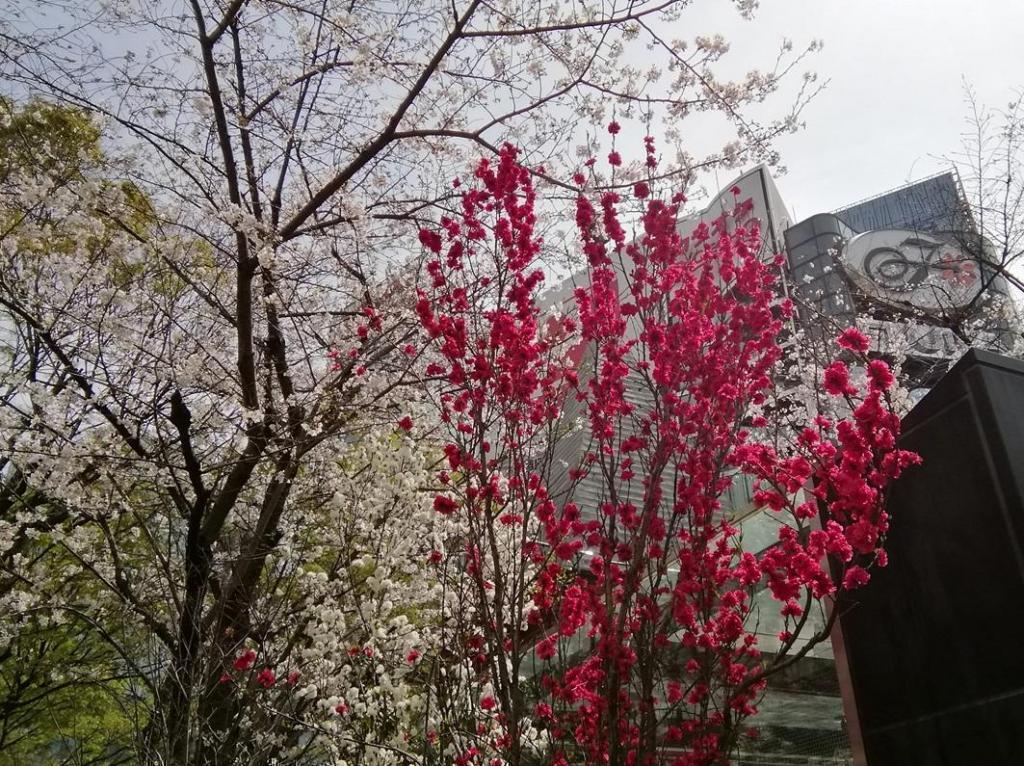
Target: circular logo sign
[907, 269]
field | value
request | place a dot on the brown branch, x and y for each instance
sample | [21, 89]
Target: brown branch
[76, 375]
[245, 268]
[573, 26]
[386, 136]
[264, 102]
[230, 15]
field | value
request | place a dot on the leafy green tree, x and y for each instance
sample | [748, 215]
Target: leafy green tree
[65, 672]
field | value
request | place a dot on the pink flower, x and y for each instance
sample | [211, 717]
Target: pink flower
[614, 127]
[649, 151]
[566, 551]
[853, 339]
[266, 678]
[412, 657]
[405, 423]
[855, 577]
[431, 240]
[546, 648]
[791, 609]
[246, 660]
[293, 678]
[445, 505]
[837, 380]
[880, 377]
[650, 311]
[674, 692]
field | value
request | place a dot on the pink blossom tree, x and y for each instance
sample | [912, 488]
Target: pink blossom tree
[607, 600]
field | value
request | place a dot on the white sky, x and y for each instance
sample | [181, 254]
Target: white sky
[895, 103]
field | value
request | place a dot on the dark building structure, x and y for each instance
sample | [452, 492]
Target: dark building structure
[909, 268]
[934, 656]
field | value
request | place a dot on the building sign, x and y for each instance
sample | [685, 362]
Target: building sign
[910, 270]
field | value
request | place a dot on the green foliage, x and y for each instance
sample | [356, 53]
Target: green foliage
[62, 699]
[58, 141]
[66, 693]
[47, 149]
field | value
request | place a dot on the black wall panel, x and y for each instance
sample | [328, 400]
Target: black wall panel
[936, 641]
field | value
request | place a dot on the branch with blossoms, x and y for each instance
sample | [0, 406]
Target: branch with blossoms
[614, 574]
[502, 375]
[169, 389]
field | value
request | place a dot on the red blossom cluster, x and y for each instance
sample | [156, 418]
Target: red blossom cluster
[674, 341]
[266, 678]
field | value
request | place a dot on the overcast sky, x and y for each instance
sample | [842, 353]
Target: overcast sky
[895, 102]
[894, 105]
